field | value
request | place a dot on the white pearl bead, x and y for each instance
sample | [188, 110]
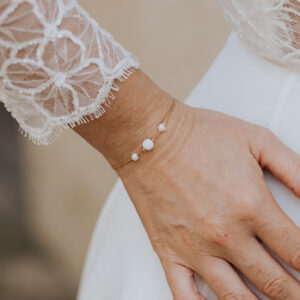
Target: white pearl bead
[148, 144]
[162, 127]
[135, 156]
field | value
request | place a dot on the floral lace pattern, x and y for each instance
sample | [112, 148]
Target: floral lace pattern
[271, 28]
[57, 66]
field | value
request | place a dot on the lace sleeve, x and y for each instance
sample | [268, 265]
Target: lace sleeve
[57, 66]
[271, 28]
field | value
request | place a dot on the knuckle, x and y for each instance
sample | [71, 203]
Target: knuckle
[219, 235]
[266, 133]
[234, 295]
[276, 288]
[248, 208]
[295, 260]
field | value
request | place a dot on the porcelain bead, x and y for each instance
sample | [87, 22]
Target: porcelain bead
[148, 144]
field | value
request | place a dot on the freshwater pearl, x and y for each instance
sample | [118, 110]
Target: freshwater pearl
[162, 127]
[148, 144]
[135, 157]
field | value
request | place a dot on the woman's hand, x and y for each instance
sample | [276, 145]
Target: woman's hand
[201, 194]
[202, 198]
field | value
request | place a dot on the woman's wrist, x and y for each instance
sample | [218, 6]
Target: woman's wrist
[133, 116]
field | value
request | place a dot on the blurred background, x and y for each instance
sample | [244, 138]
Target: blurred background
[51, 196]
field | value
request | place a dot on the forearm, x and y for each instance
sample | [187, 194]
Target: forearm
[58, 70]
[57, 65]
[131, 117]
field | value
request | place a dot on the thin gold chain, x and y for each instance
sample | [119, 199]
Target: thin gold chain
[164, 121]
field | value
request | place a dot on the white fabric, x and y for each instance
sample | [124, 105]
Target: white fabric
[121, 264]
[269, 27]
[57, 66]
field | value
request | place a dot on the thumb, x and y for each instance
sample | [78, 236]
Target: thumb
[182, 282]
[280, 160]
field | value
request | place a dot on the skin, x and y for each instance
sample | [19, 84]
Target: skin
[201, 193]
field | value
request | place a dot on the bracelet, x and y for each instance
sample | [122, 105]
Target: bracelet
[149, 143]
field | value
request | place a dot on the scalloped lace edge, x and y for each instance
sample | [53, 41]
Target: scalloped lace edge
[94, 111]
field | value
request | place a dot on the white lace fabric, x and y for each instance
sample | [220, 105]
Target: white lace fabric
[57, 66]
[271, 28]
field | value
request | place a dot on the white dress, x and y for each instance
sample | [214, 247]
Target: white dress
[57, 70]
[121, 264]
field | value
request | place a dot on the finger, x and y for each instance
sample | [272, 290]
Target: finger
[264, 271]
[223, 279]
[280, 160]
[182, 282]
[279, 232]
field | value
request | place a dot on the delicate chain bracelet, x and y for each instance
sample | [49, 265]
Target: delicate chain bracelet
[148, 144]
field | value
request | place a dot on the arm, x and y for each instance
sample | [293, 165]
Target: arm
[57, 66]
[200, 193]
[138, 105]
